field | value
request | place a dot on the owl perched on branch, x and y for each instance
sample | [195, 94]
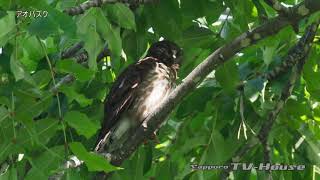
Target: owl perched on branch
[138, 90]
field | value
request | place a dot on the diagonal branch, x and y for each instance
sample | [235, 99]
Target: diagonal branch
[299, 53]
[72, 50]
[294, 55]
[80, 58]
[217, 58]
[276, 5]
[74, 162]
[98, 3]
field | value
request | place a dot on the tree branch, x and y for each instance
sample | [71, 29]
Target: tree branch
[80, 58]
[98, 3]
[70, 52]
[302, 50]
[65, 80]
[294, 55]
[276, 5]
[73, 162]
[218, 57]
[296, 52]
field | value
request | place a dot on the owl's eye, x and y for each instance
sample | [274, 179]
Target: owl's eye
[174, 52]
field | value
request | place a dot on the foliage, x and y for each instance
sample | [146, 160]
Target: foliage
[46, 127]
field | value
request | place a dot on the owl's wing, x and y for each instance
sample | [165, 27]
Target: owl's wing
[122, 94]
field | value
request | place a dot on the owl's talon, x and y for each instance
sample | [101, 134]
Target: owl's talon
[155, 138]
[144, 124]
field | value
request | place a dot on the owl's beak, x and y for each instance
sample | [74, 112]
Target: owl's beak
[178, 60]
[176, 66]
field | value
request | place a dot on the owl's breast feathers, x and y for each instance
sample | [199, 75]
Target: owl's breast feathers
[136, 93]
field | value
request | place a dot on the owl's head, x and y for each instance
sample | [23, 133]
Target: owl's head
[167, 52]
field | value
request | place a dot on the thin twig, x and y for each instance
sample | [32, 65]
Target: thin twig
[65, 80]
[80, 58]
[294, 54]
[286, 92]
[70, 52]
[57, 96]
[276, 5]
[217, 58]
[98, 3]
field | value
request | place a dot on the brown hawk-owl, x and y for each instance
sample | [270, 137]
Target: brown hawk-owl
[138, 90]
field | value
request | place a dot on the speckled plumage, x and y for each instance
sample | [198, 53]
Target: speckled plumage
[139, 89]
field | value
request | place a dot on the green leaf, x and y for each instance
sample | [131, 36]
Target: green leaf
[46, 129]
[268, 53]
[19, 71]
[192, 144]
[134, 45]
[93, 45]
[298, 108]
[165, 170]
[253, 88]
[42, 78]
[16, 68]
[73, 95]
[87, 30]
[94, 162]
[81, 123]
[10, 174]
[148, 158]
[30, 107]
[5, 101]
[32, 53]
[5, 5]
[191, 58]
[44, 164]
[44, 27]
[73, 174]
[122, 15]
[66, 23]
[133, 167]
[3, 113]
[165, 19]
[41, 133]
[311, 73]
[54, 23]
[196, 36]
[210, 9]
[195, 102]
[110, 33]
[228, 76]
[80, 72]
[7, 26]
[220, 146]
[242, 12]
[32, 3]
[313, 144]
